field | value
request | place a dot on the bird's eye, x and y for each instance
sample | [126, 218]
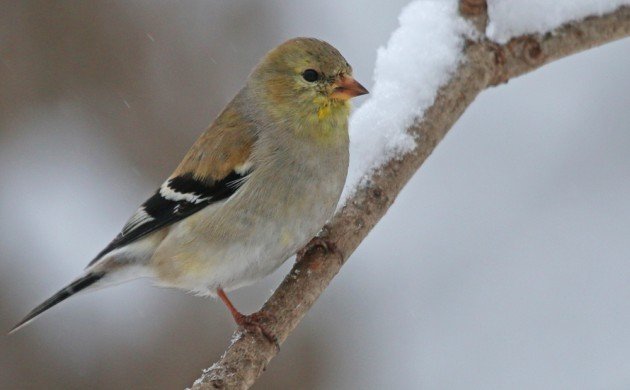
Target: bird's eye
[310, 75]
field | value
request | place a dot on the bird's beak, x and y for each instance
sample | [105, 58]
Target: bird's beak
[346, 87]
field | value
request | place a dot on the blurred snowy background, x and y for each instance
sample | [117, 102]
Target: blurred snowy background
[504, 263]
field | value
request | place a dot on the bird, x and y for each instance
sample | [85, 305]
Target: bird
[255, 187]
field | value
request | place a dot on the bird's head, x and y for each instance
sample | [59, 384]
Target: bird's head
[306, 79]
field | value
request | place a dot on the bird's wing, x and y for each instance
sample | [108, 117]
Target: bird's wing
[213, 169]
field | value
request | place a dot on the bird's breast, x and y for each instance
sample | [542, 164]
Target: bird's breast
[284, 202]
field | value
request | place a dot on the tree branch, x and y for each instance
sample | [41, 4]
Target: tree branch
[486, 64]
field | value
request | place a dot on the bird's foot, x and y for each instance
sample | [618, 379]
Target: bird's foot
[316, 242]
[255, 323]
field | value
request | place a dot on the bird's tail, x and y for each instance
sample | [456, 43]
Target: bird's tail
[80, 284]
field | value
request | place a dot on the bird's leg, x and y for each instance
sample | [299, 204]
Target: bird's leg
[252, 322]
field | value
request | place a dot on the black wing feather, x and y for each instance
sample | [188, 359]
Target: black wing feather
[160, 210]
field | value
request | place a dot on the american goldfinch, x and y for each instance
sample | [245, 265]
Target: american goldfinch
[254, 188]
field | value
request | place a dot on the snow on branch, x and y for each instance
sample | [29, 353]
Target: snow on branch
[421, 55]
[427, 75]
[511, 18]
[418, 59]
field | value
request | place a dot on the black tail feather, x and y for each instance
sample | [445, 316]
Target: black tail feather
[73, 288]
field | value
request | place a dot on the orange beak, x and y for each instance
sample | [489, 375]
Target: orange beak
[346, 87]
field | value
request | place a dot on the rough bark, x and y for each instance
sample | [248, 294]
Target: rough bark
[486, 64]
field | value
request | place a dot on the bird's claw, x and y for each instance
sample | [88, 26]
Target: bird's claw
[315, 242]
[254, 323]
